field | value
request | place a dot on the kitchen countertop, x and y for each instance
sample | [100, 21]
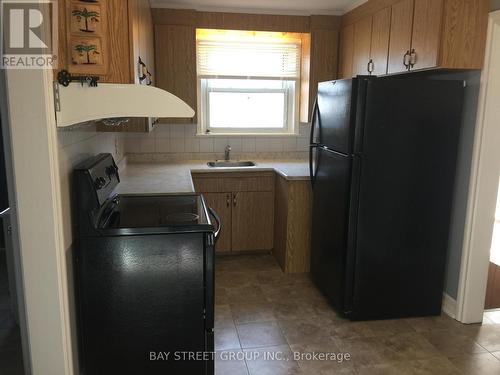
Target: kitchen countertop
[163, 178]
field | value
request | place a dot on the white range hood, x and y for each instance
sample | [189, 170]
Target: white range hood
[78, 103]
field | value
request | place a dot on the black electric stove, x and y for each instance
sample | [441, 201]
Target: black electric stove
[143, 275]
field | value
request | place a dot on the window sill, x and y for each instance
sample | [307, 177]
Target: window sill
[242, 135]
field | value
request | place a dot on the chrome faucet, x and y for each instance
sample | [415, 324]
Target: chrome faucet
[227, 153]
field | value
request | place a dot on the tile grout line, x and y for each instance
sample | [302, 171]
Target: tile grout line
[239, 339]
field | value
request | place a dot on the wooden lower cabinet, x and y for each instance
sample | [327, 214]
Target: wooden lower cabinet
[292, 232]
[245, 204]
[261, 211]
[252, 221]
[221, 203]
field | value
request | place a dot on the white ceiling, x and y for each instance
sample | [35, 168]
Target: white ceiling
[299, 7]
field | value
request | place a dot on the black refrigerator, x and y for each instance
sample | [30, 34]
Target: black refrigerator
[383, 157]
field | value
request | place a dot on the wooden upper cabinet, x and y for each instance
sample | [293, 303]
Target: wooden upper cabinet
[381, 29]
[323, 62]
[142, 36]
[346, 51]
[465, 27]
[426, 37]
[421, 34]
[400, 36]
[118, 44]
[175, 48]
[128, 33]
[362, 43]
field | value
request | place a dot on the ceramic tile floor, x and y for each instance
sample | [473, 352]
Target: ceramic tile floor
[259, 311]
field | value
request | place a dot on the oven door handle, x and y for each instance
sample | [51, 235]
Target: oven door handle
[219, 223]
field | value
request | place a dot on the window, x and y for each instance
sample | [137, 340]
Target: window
[248, 81]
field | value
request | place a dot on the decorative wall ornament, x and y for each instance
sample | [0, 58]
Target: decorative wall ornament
[87, 37]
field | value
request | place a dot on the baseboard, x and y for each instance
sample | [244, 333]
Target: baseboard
[449, 306]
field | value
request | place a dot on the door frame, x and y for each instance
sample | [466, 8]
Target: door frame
[12, 219]
[483, 188]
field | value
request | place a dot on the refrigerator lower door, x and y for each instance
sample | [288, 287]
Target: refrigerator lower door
[331, 194]
[405, 198]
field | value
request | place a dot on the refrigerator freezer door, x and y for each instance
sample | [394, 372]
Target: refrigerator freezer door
[330, 224]
[406, 189]
[336, 114]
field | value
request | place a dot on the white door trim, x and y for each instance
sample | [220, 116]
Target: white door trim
[483, 186]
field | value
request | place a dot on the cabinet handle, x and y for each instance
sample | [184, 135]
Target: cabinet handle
[405, 59]
[234, 200]
[413, 58]
[371, 66]
[228, 200]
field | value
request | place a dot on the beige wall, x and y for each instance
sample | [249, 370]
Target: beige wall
[495, 4]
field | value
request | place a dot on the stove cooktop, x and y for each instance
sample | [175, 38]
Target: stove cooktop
[137, 211]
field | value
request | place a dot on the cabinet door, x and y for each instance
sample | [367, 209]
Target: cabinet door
[362, 41]
[324, 51]
[221, 203]
[142, 37]
[346, 51]
[400, 40]
[381, 29]
[253, 221]
[175, 48]
[426, 33]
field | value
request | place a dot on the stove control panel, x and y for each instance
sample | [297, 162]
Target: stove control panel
[99, 183]
[103, 174]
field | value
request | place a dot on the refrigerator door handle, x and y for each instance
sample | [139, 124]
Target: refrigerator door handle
[313, 121]
[312, 164]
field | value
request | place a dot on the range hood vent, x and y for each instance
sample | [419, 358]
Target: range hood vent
[79, 103]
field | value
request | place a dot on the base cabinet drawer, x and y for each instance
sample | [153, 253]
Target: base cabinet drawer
[208, 183]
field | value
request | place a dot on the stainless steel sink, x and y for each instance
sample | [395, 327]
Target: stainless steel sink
[230, 164]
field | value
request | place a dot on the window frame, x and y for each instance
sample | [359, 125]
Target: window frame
[291, 93]
[291, 90]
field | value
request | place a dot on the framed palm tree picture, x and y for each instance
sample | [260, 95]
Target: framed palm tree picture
[86, 18]
[87, 36]
[86, 52]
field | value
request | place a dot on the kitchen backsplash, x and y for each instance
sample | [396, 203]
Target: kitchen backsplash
[76, 144]
[178, 139]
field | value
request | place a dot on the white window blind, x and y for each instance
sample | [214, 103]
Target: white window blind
[247, 56]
